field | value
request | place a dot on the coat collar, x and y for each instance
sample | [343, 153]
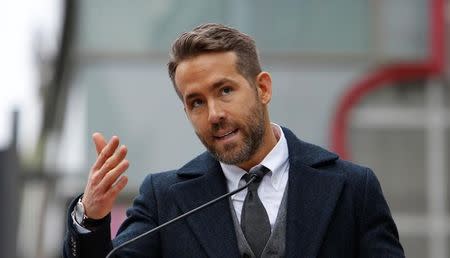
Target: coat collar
[306, 153]
[312, 196]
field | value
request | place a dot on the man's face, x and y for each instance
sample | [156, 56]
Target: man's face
[224, 108]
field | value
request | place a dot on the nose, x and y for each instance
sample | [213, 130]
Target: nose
[215, 112]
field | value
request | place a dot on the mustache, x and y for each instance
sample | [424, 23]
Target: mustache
[221, 125]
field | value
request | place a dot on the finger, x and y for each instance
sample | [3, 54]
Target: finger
[114, 160]
[113, 175]
[106, 152]
[118, 186]
[99, 142]
[109, 164]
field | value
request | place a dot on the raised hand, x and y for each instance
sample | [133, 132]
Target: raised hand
[105, 178]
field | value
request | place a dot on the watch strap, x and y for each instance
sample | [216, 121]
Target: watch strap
[87, 222]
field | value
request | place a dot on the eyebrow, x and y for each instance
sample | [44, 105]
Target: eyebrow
[214, 86]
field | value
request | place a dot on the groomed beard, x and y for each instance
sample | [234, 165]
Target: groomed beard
[252, 131]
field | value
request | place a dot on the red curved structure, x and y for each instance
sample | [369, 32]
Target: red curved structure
[387, 75]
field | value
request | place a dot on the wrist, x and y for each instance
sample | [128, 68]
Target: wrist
[79, 214]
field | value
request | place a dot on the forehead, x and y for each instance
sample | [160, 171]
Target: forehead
[205, 69]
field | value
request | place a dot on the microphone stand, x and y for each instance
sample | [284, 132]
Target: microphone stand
[254, 176]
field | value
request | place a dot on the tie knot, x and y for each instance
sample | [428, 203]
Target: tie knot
[259, 173]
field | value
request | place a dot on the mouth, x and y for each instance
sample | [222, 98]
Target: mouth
[226, 135]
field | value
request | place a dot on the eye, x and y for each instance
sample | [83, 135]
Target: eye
[196, 103]
[226, 90]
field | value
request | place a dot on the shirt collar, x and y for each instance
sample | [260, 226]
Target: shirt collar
[275, 161]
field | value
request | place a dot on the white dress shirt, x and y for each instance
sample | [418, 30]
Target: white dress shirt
[273, 184]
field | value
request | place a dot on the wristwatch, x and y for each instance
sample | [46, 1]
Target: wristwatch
[82, 219]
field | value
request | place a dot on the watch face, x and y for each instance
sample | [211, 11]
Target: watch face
[79, 212]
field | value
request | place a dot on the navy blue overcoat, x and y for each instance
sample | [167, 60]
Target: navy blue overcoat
[335, 209]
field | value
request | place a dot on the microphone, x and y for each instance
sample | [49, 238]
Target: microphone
[254, 176]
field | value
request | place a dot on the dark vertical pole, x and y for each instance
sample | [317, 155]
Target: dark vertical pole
[9, 194]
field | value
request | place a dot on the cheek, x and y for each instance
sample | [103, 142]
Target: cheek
[197, 123]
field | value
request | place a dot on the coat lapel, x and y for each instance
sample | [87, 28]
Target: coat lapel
[213, 226]
[312, 197]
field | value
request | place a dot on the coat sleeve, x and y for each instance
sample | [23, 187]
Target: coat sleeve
[379, 235]
[94, 244]
[141, 217]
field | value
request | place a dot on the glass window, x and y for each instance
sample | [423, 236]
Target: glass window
[397, 158]
[410, 94]
[447, 160]
[300, 25]
[447, 98]
[403, 28]
[141, 25]
[350, 27]
[415, 246]
[286, 26]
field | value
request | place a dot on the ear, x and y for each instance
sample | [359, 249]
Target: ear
[264, 87]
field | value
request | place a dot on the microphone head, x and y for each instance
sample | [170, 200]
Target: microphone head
[259, 173]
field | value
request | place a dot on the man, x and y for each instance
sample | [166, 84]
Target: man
[309, 203]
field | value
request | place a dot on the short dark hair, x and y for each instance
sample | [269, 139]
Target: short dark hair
[210, 38]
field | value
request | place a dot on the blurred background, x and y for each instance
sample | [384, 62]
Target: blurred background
[368, 79]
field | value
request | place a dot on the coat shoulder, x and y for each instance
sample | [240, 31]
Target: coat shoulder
[162, 181]
[354, 174]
